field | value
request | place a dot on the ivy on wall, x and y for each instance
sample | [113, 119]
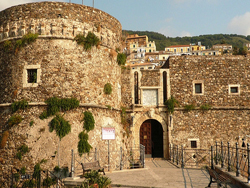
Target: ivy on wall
[89, 121]
[170, 104]
[23, 104]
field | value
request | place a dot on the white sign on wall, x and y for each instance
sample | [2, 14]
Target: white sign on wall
[108, 133]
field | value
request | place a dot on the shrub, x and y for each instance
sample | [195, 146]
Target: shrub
[89, 121]
[14, 120]
[189, 107]
[57, 169]
[121, 58]
[109, 107]
[103, 182]
[108, 88]
[29, 184]
[19, 105]
[16, 176]
[43, 115]
[205, 107]
[87, 42]
[60, 125]
[170, 104]
[4, 139]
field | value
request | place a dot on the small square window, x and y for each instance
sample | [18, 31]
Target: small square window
[198, 88]
[234, 89]
[31, 75]
[193, 144]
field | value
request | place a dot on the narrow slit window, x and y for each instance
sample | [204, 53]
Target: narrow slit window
[32, 75]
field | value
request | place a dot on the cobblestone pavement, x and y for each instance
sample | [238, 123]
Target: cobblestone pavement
[161, 173]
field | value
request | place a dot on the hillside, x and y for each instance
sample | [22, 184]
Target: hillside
[162, 41]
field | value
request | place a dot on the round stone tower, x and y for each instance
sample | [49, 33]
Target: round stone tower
[54, 65]
[63, 68]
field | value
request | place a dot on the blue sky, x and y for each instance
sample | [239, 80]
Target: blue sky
[172, 17]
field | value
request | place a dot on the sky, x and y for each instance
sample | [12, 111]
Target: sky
[171, 17]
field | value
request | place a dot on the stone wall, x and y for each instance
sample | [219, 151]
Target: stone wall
[217, 73]
[126, 87]
[228, 118]
[64, 20]
[43, 144]
[150, 78]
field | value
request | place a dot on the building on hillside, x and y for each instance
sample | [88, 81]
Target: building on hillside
[209, 52]
[197, 48]
[223, 48]
[178, 49]
[143, 66]
[150, 47]
[136, 41]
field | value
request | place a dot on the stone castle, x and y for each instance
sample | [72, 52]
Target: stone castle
[64, 69]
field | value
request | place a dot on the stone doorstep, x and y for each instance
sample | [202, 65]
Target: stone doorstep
[69, 181]
[239, 181]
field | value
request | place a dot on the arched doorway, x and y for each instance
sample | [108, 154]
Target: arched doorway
[151, 136]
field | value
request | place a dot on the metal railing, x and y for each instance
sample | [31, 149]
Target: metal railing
[231, 158]
[111, 160]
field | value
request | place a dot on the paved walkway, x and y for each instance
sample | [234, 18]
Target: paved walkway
[160, 173]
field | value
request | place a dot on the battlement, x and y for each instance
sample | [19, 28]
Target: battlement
[56, 19]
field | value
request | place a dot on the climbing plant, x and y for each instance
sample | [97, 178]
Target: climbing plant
[205, 107]
[60, 125]
[121, 58]
[89, 121]
[87, 42]
[23, 104]
[170, 104]
[188, 108]
[55, 105]
[83, 144]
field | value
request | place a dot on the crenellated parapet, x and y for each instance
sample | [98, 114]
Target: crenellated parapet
[56, 19]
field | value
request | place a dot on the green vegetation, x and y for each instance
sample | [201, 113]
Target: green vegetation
[14, 120]
[188, 108]
[21, 151]
[56, 105]
[23, 170]
[29, 184]
[89, 121]
[123, 115]
[162, 41]
[87, 42]
[23, 104]
[7, 45]
[93, 177]
[170, 104]
[108, 88]
[47, 182]
[83, 144]
[205, 107]
[60, 125]
[121, 58]
[109, 107]
[31, 123]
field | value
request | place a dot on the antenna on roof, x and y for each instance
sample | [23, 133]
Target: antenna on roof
[82, 2]
[93, 3]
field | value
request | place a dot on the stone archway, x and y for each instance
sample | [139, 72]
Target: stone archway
[138, 121]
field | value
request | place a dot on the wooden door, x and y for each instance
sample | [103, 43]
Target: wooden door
[145, 136]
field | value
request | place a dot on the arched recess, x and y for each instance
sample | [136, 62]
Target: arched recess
[139, 119]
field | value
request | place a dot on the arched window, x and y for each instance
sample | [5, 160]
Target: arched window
[164, 86]
[136, 88]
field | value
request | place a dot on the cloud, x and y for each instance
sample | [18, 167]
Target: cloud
[7, 3]
[240, 24]
[172, 32]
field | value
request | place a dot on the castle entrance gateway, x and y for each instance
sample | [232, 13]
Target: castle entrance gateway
[151, 136]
